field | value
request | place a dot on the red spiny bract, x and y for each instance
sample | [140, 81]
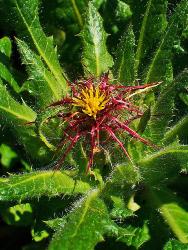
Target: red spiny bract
[96, 106]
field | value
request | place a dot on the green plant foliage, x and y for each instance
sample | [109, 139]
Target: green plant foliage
[19, 215]
[96, 58]
[175, 245]
[54, 183]
[87, 221]
[5, 67]
[177, 130]
[162, 111]
[124, 64]
[122, 11]
[45, 88]
[161, 162]
[30, 29]
[173, 213]
[152, 29]
[5, 46]
[160, 64]
[120, 203]
[138, 238]
[71, 14]
[7, 155]
[13, 110]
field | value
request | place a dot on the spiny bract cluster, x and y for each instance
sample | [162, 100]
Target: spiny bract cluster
[95, 106]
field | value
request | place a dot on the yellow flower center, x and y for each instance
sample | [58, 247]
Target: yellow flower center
[91, 100]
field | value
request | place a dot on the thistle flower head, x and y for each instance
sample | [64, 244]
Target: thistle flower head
[95, 106]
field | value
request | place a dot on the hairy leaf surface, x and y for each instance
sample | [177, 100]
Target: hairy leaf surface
[159, 167]
[46, 88]
[26, 12]
[36, 184]
[160, 64]
[86, 225]
[162, 110]
[13, 110]
[96, 58]
[179, 129]
[153, 25]
[124, 64]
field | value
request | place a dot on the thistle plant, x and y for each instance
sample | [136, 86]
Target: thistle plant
[93, 109]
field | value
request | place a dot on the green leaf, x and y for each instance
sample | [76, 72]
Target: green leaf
[96, 58]
[44, 131]
[124, 65]
[124, 174]
[172, 211]
[71, 14]
[26, 15]
[7, 155]
[184, 97]
[6, 75]
[36, 184]
[132, 236]
[56, 224]
[16, 115]
[153, 26]
[139, 236]
[39, 232]
[160, 63]
[19, 215]
[120, 211]
[6, 46]
[161, 113]
[161, 166]
[85, 227]
[13, 110]
[46, 88]
[122, 11]
[179, 129]
[175, 245]
[97, 3]
[5, 67]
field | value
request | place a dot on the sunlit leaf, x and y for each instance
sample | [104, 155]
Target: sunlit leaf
[161, 166]
[173, 212]
[13, 110]
[6, 46]
[19, 215]
[120, 211]
[85, 227]
[46, 88]
[96, 58]
[56, 224]
[26, 12]
[50, 183]
[7, 155]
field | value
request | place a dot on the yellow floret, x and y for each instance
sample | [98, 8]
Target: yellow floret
[91, 100]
